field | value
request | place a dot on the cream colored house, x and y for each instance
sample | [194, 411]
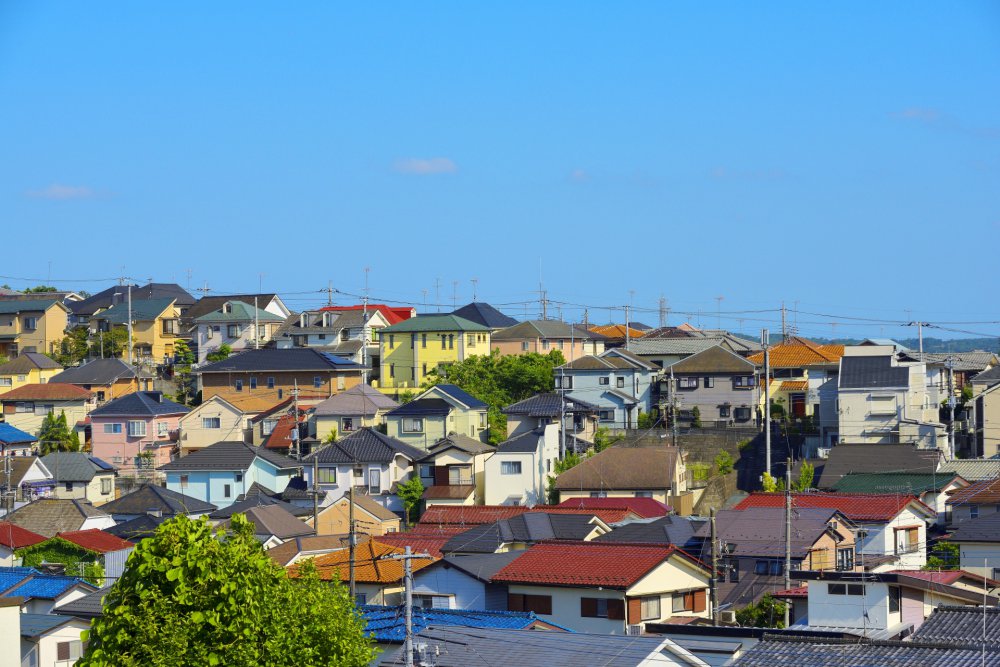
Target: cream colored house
[441, 410]
[27, 368]
[370, 518]
[80, 476]
[213, 421]
[454, 471]
[348, 411]
[26, 407]
[37, 325]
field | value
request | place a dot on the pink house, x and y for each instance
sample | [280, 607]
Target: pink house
[137, 432]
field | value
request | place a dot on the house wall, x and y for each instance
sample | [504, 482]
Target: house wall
[452, 457]
[122, 451]
[389, 473]
[566, 607]
[708, 399]
[987, 423]
[465, 592]
[46, 647]
[335, 520]
[881, 539]
[224, 384]
[194, 435]
[50, 327]
[92, 490]
[210, 486]
[404, 356]
[964, 511]
[212, 336]
[31, 422]
[10, 633]
[846, 611]
[636, 382]
[323, 424]
[980, 558]
[658, 494]
[572, 348]
[435, 428]
[10, 381]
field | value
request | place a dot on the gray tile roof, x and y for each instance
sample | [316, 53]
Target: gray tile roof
[481, 566]
[74, 466]
[259, 500]
[547, 405]
[861, 458]
[234, 456]
[671, 346]
[152, 497]
[963, 362]
[974, 470]
[428, 407]
[872, 373]
[98, 371]
[138, 528]
[525, 443]
[715, 359]
[280, 360]
[459, 394]
[760, 531]
[239, 311]
[208, 304]
[361, 399]
[527, 527]
[140, 404]
[90, 605]
[622, 468]
[27, 362]
[36, 625]
[48, 516]
[962, 624]
[780, 652]
[981, 529]
[461, 442]
[366, 445]
[990, 377]
[662, 530]
[275, 520]
[485, 314]
[547, 329]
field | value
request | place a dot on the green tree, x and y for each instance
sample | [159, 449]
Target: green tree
[78, 561]
[406, 396]
[74, 347]
[807, 474]
[562, 465]
[220, 354]
[331, 437]
[603, 438]
[646, 421]
[724, 462]
[771, 484]
[189, 597]
[56, 436]
[768, 613]
[696, 417]
[183, 358]
[410, 492]
[39, 289]
[944, 556]
[109, 344]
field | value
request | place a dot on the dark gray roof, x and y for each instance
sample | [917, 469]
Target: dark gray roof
[962, 362]
[152, 497]
[453, 646]
[140, 404]
[485, 314]
[360, 399]
[366, 445]
[547, 405]
[36, 625]
[872, 373]
[459, 395]
[74, 466]
[237, 456]
[760, 531]
[138, 528]
[527, 527]
[106, 298]
[11, 307]
[275, 520]
[776, 651]
[481, 566]
[27, 362]
[982, 529]
[855, 458]
[422, 407]
[90, 605]
[461, 442]
[661, 530]
[990, 377]
[281, 360]
[208, 304]
[964, 624]
[259, 500]
[524, 443]
[98, 371]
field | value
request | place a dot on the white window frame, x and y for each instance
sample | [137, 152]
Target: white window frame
[211, 422]
[113, 429]
[136, 428]
[412, 425]
[510, 467]
[162, 429]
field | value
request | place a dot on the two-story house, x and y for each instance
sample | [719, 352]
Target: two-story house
[27, 368]
[37, 325]
[214, 420]
[540, 410]
[156, 324]
[27, 406]
[616, 381]
[359, 406]
[721, 384]
[348, 333]
[985, 422]
[619, 471]
[255, 380]
[268, 302]
[520, 469]
[544, 336]
[884, 400]
[453, 472]
[412, 348]
[78, 475]
[221, 473]
[137, 432]
[666, 345]
[239, 325]
[437, 412]
[84, 311]
[108, 379]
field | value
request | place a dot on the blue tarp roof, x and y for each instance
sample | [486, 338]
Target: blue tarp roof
[387, 624]
[11, 435]
[45, 586]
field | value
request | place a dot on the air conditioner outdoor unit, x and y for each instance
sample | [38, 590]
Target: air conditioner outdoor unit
[633, 630]
[823, 452]
[727, 617]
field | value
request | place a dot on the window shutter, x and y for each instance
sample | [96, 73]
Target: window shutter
[62, 651]
[699, 600]
[689, 601]
[441, 475]
[616, 610]
[588, 607]
[634, 611]
[515, 602]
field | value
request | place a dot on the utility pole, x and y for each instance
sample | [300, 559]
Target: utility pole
[364, 339]
[920, 335]
[788, 530]
[295, 419]
[784, 325]
[475, 292]
[329, 293]
[454, 294]
[715, 570]
[628, 337]
[545, 305]
[407, 556]
[130, 353]
[437, 294]
[316, 495]
[718, 312]
[352, 540]
[256, 325]
[673, 407]
[765, 339]
[950, 364]
[663, 311]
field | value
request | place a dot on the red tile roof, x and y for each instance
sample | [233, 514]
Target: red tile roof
[797, 592]
[281, 434]
[95, 540]
[52, 391]
[947, 577]
[438, 529]
[14, 537]
[645, 508]
[607, 564]
[419, 543]
[855, 506]
[392, 315]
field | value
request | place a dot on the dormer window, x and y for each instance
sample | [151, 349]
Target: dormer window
[227, 308]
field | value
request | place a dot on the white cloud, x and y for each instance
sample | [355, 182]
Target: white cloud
[579, 175]
[58, 191]
[425, 166]
[922, 114]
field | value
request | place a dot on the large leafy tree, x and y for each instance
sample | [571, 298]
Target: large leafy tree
[110, 344]
[767, 613]
[500, 380]
[74, 347]
[220, 354]
[190, 596]
[56, 435]
[410, 492]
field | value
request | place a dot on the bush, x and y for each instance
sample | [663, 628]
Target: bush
[724, 462]
[696, 417]
[768, 613]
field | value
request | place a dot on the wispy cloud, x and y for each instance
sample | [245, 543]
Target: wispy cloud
[425, 166]
[579, 175]
[943, 121]
[920, 114]
[730, 174]
[58, 191]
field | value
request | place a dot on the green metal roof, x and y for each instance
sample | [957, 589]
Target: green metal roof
[890, 482]
[15, 306]
[142, 310]
[240, 312]
[435, 323]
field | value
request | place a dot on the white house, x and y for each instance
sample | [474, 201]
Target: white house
[519, 470]
[238, 324]
[47, 640]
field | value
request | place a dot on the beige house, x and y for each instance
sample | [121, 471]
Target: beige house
[986, 418]
[27, 368]
[26, 407]
[156, 325]
[370, 518]
[213, 421]
[454, 471]
[348, 411]
[37, 325]
[627, 472]
[80, 476]
[544, 336]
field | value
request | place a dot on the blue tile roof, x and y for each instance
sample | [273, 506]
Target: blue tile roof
[45, 586]
[388, 625]
[461, 395]
[12, 576]
[33, 625]
[10, 435]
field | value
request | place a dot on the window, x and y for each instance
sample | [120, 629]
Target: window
[270, 382]
[510, 467]
[741, 414]
[540, 604]
[69, 651]
[524, 346]
[267, 426]
[606, 415]
[732, 567]
[227, 490]
[100, 397]
[171, 327]
[882, 405]
[643, 494]
[232, 330]
[253, 382]
[413, 341]
[432, 601]
[687, 383]
[413, 425]
[6, 382]
[113, 428]
[564, 382]
[30, 323]
[459, 475]
[392, 370]
[560, 344]
[44, 409]
[238, 385]
[317, 382]
[392, 341]
[620, 382]
[451, 341]
[604, 380]
[374, 480]
[709, 382]
[597, 607]
[361, 599]
[137, 429]
[855, 589]
[423, 340]
[836, 589]
[760, 567]
[347, 424]
[598, 494]
[894, 599]
[650, 608]
[906, 539]
[68, 486]
[105, 486]
[22, 406]
[471, 340]
[239, 477]
[777, 567]
[545, 344]
[444, 342]
[483, 420]
[327, 476]
[845, 559]
[743, 381]
[184, 480]
[723, 411]
[162, 429]
[973, 511]
[686, 601]
[281, 394]
[213, 422]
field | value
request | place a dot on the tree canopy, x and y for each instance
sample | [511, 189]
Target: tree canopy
[190, 596]
[220, 354]
[56, 435]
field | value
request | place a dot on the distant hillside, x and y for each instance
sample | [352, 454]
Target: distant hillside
[930, 344]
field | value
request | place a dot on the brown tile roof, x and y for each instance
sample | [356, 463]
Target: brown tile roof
[48, 516]
[629, 468]
[986, 492]
[449, 492]
[418, 543]
[51, 391]
[283, 554]
[798, 352]
[370, 564]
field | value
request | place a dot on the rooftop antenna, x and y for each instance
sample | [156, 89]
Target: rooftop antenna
[718, 312]
[475, 293]
[260, 283]
[663, 311]
[425, 299]
[437, 294]
[189, 272]
[454, 294]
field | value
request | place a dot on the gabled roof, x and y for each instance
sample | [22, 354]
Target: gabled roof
[646, 508]
[861, 372]
[984, 492]
[460, 442]
[981, 529]
[456, 393]
[855, 506]
[366, 445]
[48, 516]
[97, 541]
[21, 465]
[713, 360]
[96, 372]
[972, 624]
[894, 482]
[972, 469]
[89, 606]
[988, 377]
[778, 651]
[422, 407]
[480, 566]
[622, 468]
[151, 497]
[46, 586]
[281, 361]
[484, 314]
[361, 399]
[275, 520]
[760, 531]
[10, 435]
[143, 310]
[50, 391]
[13, 536]
[139, 528]
[233, 456]
[533, 329]
[18, 306]
[285, 553]
[592, 362]
[209, 304]
[548, 405]
[962, 362]
[469, 515]
[430, 323]
[239, 311]
[371, 564]
[386, 624]
[26, 362]
[864, 458]
[259, 500]
[527, 527]
[618, 331]
[368, 505]
[107, 298]
[75, 466]
[798, 353]
[608, 564]
[419, 543]
[140, 404]
[33, 626]
[391, 315]
[664, 530]
[650, 346]
[525, 443]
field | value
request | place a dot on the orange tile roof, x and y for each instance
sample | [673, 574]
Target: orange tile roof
[798, 352]
[617, 331]
[370, 564]
[793, 385]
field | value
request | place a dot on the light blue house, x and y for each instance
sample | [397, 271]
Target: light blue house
[222, 473]
[618, 382]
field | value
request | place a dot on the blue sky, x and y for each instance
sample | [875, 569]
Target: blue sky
[844, 156]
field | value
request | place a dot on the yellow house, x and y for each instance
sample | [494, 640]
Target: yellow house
[156, 325]
[413, 347]
[27, 368]
[36, 325]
